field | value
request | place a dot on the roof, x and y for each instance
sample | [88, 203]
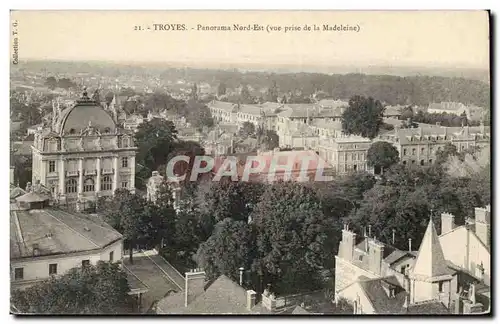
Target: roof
[432, 307]
[56, 231]
[80, 116]
[430, 260]
[223, 296]
[299, 310]
[222, 105]
[333, 103]
[392, 110]
[377, 291]
[33, 197]
[447, 106]
[16, 192]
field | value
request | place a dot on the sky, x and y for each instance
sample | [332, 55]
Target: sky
[385, 38]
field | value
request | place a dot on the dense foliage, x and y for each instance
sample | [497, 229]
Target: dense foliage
[363, 116]
[90, 289]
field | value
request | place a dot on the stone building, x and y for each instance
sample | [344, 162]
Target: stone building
[450, 273]
[83, 154]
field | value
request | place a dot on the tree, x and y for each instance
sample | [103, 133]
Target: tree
[142, 223]
[247, 129]
[443, 154]
[382, 155]
[221, 89]
[407, 113]
[268, 139]
[194, 92]
[66, 83]
[364, 117]
[91, 289]
[272, 93]
[292, 235]
[245, 96]
[229, 247]
[155, 140]
[199, 115]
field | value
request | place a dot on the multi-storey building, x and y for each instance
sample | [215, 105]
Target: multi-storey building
[420, 145]
[450, 272]
[83, 154]
[346, 154]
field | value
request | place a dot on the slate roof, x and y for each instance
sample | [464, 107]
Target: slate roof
[56, 232]
[430, 260]
[428, 308]
[223, 296]
[375, 291]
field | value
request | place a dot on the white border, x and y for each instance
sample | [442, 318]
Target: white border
[188, 4]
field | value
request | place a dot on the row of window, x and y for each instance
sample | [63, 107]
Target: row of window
[52, 164]
[352, 156]
[422, 162]
[89, 186]
[19, 272]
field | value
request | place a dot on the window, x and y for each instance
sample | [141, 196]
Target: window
[355, 167]
[107, 183]
[422, 162]
[430, 161]
[124, 184]
[413, 151]
[405, 151]
[71, 186]
[52, 269]
[53, 186]
[404, 162]
[85, 263]
[412, 161]
[107, 130]
[422, 150]
[52, 166]
[124, 162]
[72, 131]
[19, 273]
[440, 286]
[111, 256]
[88, 185]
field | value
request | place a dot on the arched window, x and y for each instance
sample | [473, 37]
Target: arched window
[88, 185]
[71, 186]
[107, 183]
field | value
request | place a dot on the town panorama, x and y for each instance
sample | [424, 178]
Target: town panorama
[152, 188]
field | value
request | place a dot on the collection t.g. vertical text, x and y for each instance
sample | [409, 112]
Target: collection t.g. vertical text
[15, 43]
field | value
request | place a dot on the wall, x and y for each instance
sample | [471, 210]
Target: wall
[355, 292]
[346, 273]
[457, 242]
[38, 268]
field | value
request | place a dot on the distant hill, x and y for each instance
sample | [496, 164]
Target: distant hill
[393, 85]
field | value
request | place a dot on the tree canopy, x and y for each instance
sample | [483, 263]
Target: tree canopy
[230, 247]
[91, 289]
[381, 155]
[364, 117]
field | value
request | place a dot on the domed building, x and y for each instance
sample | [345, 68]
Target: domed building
[83, 154]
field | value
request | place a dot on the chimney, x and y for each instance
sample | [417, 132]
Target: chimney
[369, 231]
[241, 275]
[447, 223]
[375, 254]
[482, 225]
[194, 285]
[251, 298]
[393, 236]
[268, 300]
[409, 244]
[346, 249]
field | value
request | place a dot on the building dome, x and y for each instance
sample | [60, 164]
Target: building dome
[86, 112]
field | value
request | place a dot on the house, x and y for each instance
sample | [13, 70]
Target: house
[448, 274]
[47, 241]
[224, 296]
[454, 108]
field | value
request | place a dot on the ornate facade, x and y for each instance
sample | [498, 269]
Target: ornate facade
[83, 154]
